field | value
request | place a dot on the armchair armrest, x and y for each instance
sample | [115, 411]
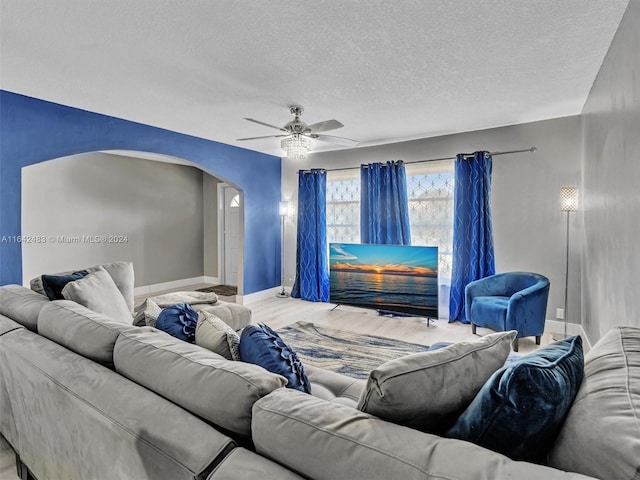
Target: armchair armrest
[528, 309]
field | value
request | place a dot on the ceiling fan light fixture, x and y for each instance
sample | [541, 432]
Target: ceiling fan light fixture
[296, 146]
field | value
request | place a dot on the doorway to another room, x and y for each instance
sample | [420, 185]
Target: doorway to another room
[230, 239]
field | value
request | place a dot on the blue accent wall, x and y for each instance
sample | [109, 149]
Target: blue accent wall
[33, 131]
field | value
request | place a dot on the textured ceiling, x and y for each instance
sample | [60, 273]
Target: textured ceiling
[389, 71]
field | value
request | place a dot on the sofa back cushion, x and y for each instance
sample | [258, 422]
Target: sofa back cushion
[327, 441]
[22, 305]
[121, 273]
[601, 434]
[219, 390]
[81, 330]
[98, 292]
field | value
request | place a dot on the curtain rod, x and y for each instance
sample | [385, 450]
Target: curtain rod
[493, 154]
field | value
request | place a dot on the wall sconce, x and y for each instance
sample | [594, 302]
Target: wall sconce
[568, 203]
[286, 209]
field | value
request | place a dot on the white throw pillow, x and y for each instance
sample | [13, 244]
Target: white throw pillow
[98, 292]
[428, 390]
[215, 335]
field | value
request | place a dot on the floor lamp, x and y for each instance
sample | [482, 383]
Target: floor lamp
[286, 209]
[568, 203]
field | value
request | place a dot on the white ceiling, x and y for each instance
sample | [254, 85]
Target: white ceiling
[388, 70]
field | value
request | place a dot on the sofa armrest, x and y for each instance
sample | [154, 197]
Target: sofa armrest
[327, 441]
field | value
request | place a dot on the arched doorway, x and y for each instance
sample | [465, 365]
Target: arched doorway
[154, 210]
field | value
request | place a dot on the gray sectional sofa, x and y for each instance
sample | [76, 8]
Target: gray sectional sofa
[85, 397]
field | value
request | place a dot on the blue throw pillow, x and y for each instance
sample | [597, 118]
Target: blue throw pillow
[260, 345]
[53, 284]
[520, 410]
[180, 321]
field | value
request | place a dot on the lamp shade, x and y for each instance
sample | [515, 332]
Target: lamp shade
[286, 209]
[569, 199]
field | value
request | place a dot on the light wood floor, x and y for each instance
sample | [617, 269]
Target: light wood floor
[280, 312]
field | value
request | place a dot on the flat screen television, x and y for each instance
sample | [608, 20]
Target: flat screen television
[389, 278]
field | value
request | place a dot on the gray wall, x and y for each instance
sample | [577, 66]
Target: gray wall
[157, 206]
[529, 228]
[611, 178]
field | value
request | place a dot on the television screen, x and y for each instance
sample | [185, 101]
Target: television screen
[390, 278]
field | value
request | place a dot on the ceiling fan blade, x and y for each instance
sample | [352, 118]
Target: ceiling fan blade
[337, 140]
[265, 124]
[256, 138]
[325, 126]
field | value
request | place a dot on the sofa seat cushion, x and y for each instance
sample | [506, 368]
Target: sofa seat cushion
[520, 410]
[242, 464]
[601, 434]
[429, 390]
[334, 387]
[81, 330]
[219, 390]
[22, 305]
[326, 441]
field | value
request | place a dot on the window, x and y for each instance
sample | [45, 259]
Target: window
[343, 206]
[430, 194]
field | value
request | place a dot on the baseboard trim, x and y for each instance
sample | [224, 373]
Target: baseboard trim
[256, 296]
[556, 326]
[158, 287]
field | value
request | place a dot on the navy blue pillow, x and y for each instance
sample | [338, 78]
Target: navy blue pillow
[260, 345]
[180, 321]
[53, 284]
[520, 410]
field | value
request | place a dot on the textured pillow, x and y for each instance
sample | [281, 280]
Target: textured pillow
[601, 435]
[260, 345]
[520, 410]
[215, 335]
[428, 390]
[98, 292]
[53, 284]
[179, 321]
[151, 313]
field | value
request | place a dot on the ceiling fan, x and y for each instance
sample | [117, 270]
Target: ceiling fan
[296, 140]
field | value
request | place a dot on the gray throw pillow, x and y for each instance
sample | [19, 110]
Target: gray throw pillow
[98, 292]
[215, 335]
[428, 390]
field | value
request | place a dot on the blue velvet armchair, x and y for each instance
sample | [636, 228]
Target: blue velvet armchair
[509, 301]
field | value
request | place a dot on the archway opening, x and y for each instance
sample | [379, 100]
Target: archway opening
[159, 212]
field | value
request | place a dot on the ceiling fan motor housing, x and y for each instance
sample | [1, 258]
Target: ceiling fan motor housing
[297, 126]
